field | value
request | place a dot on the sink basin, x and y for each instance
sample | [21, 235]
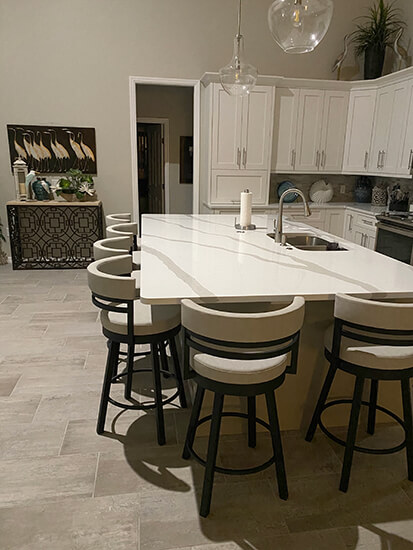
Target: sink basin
[309, 242]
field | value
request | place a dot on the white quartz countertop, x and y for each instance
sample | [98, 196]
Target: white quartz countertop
[357, 206]
[203, 257]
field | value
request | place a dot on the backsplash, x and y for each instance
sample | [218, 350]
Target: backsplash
[305, 181]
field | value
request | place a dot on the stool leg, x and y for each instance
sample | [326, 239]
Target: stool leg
[196, 411]
[371, 423]
[211, 455]
[129, 376]
[321, 402]
[252, 426]
[112, 359]
[160, 422]
[408, 425]
[277, 445]
[178, 373]
[164, 360]
[351, 434]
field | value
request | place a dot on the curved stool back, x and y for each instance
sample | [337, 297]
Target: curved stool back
[112, 219]
[113, 246]
[373, 341]
[233, 339]
[122, 229]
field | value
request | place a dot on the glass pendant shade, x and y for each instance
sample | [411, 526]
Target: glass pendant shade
[298, 26]
[238, 77]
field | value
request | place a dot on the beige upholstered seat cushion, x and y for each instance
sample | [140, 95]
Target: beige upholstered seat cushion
[234, 371]
[147, 319]
[373, 356]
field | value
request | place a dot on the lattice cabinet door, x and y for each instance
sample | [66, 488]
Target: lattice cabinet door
[53, 235]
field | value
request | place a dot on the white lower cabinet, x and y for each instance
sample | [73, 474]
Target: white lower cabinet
[360, 229]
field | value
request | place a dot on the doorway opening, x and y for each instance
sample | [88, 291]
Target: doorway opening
[165, 120]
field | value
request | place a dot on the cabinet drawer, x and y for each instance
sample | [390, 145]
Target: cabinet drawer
[226, 187]
[366, 221]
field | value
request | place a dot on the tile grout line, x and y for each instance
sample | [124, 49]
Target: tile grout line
[63, 438]
[96, 474]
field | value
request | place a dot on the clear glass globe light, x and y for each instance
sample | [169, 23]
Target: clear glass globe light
[238, 77]
[298, 26]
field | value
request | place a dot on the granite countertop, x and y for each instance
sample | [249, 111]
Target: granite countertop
[203, 257]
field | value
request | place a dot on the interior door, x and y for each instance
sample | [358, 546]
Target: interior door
[382, 124]
[155, 169]
[359, 130]
[310, 115]
[226, 130]
[257, 117]
[333, 131]
[285, 129]
[406, 154]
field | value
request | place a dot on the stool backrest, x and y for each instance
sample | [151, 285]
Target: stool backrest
[114, 246]
[248, 335]
[120, 229]
[106, 278]
[112, 219]
[383, 323]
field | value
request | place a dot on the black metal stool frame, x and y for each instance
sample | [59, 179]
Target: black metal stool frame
[251, 391]
[377, 336]
[157, 343]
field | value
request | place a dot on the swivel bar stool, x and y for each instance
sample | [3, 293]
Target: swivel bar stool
[113, 246]
[125, 320]
[112, 219]
[240, 354]
[122, 229]
[372, 341]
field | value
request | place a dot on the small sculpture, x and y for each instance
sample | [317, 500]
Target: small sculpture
[401, 53]
[30, 178]
[41, 189]
[340, 59]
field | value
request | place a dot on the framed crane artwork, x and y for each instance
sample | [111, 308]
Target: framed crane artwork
[53, 149]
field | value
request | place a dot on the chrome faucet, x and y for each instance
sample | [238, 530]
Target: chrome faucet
[278, 224]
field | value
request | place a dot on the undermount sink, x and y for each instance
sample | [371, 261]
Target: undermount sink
[309, 242]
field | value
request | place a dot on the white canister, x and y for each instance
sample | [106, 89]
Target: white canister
[246, 208]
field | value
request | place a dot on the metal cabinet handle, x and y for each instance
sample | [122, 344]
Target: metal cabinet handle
[293, 157]
[410, 166]
[378, 159]
[368, 222]
[239, 157]
[383, 156]
[323, 159]
[366, 159]
[317, 162]
[350, 222]
[244, 157]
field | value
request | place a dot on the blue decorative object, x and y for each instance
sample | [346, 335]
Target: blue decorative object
[363, 189]
[41, 190]
[283, 186]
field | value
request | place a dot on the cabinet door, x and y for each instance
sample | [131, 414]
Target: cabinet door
[397, 128]
[370, 241]
[382, 123]
[406, 156]
[227, 185]
[348, 226]
[359, 129]
[226, 130]
[359, 236]
[335, 222]
[257, 119]
[285, 129]
[310, 114]
[333, 131]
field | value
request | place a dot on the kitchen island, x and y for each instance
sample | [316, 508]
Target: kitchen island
[204, 258]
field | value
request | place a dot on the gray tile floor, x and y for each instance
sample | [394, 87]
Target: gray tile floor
[63, 487]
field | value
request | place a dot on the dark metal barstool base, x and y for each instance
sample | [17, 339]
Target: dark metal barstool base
[360, 449]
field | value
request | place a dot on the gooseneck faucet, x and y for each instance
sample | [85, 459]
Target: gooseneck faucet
[278, 224]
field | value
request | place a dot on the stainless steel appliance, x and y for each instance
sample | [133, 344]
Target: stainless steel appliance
[395, 235]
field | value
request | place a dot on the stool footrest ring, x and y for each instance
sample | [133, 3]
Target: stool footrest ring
[359, 448]
[234, 471]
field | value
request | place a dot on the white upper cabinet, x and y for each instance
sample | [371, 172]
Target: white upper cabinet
[226, 130]
[257, 116]
[285, 129]
[405, 166]
[359, 129]
[242, 129]
[309, 130]
[333, 131]
[310, 117]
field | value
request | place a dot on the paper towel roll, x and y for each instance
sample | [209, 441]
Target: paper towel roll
[246, 207]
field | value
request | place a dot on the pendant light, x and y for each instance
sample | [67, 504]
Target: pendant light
[298, 26]
[238, 77]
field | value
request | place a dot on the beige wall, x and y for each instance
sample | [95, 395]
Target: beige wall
[175, 104]
[68, 62]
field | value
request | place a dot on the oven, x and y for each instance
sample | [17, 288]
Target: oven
[395, 240]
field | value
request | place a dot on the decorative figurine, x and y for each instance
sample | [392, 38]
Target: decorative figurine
[401, 53]
[31, 176]
[340, 59]
[41, 189]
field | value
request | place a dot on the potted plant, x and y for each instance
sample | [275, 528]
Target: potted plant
[377, 31]
[3, 255]
[75, 185]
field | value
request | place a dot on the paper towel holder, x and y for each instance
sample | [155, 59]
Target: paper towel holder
[238, 226]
